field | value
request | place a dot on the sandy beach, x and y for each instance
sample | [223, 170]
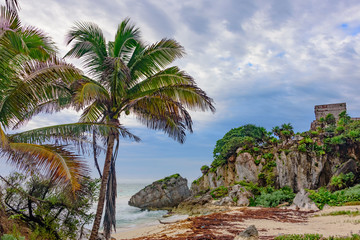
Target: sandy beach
[270, 223]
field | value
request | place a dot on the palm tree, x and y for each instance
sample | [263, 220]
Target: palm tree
[32, 79]
[128, 76]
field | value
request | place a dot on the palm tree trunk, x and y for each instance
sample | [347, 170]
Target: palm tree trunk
[104, 181]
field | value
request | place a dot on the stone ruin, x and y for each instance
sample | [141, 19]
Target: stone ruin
[321, 111]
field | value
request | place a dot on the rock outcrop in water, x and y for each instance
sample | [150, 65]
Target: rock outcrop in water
[162, 194]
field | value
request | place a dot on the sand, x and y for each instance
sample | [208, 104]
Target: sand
[269, 222]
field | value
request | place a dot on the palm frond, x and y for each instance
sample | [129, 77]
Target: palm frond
[9, 20]
[64, 133]
[12, 5]
[51, 106]
[126, 38]
[39, 45]
[93, 112]
[69, 133]
[167, 77]
[155, 58]
[163, 114]
[38, 82]
[190, 96]
[88, 44]
[57, 163]
[87, 91]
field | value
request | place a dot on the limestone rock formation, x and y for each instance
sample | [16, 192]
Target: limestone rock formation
[162, 194]
[303, 202]
[296, 169]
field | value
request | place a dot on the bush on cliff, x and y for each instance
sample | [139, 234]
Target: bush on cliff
[246, 136]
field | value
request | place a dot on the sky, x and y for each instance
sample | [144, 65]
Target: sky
[264, 62]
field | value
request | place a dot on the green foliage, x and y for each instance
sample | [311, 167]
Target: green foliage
[269, 197]
[284, 132]
[330, 119]
[314, 133]
[256, 149]
[315, 237]
[213, 169]
[52, 211]
[343, 180]
[268, 156]
[219, 192]
[250, 186]
[343, 212]
[338, 140]
[247, 136]
[330, 129]
[11, 237]
[166, 179]
[205, 168]
[344, 119]
[323, 196]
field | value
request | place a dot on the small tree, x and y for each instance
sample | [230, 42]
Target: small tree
[50, 210]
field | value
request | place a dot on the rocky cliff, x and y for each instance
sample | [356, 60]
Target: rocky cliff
[283, 165]
[162, 194]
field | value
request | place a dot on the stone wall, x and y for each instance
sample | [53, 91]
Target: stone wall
[335, 109]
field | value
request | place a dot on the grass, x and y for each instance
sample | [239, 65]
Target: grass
[315, 237]
[343, 212]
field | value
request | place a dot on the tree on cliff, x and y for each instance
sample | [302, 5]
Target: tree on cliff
[248, 136]
[128, 76]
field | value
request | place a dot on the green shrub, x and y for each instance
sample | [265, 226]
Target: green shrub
[205, 168]
[219, 192]
[213, 169]
[271, 198]
[323, 196]
[330, 119]
[11, 237]
[164, 180]
[247, 136]
[330, 129]
[315, 237]
[250, 186]
[268, 156]
[299, 237]
[338, 140]
[343, 180]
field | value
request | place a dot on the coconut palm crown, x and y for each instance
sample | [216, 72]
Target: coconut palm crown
[130, 77]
